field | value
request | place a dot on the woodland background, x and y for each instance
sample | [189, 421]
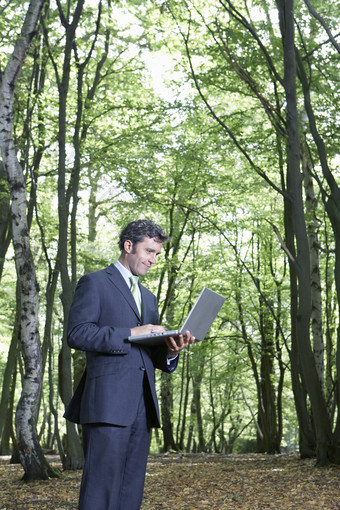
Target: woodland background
[219, 120]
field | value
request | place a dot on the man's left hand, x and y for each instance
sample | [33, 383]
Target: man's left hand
[176, 346]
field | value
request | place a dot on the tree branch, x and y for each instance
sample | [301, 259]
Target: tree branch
[324, 24]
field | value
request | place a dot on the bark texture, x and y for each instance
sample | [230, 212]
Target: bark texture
[31, 455]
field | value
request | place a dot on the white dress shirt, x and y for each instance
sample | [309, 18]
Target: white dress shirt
[126, 274]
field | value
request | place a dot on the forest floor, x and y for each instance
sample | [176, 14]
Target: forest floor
[194, 482]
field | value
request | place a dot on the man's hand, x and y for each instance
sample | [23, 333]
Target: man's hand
[146, 329]
[176, 346]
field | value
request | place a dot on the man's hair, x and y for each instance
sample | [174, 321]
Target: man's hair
[137, 230]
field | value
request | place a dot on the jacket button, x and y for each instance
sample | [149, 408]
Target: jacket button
[141, 368]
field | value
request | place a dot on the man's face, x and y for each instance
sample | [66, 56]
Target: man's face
[140, 257]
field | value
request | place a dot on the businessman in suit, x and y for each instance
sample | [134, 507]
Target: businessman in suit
[116, 401]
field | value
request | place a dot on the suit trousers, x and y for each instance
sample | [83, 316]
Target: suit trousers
[115, 464]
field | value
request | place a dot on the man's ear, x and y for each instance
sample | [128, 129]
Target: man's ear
[128, 246]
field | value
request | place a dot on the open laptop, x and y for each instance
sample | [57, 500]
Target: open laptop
[198, 321]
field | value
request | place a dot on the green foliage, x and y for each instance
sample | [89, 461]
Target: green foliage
[203, 155]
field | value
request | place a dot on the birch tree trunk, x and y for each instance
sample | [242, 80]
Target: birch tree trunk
[316, 317]
[31, 455]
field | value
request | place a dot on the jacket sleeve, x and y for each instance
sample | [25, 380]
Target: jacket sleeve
[84, 329]
[158, 354]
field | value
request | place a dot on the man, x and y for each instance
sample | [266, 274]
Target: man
[116, 402]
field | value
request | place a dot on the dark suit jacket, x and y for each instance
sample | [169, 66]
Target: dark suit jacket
[101, 317]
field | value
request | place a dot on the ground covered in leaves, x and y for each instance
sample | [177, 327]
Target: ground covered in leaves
[194, 482]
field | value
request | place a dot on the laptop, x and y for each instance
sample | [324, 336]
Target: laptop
[198, 321]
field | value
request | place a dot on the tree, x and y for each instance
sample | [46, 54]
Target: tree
[221, 27]
[300, 265]
[31, 455]
[330, 196]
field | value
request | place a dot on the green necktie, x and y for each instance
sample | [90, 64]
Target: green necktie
[136, 292]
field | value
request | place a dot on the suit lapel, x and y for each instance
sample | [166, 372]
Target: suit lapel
[116, 278]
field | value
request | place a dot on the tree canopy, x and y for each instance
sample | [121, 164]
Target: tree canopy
[219, 121]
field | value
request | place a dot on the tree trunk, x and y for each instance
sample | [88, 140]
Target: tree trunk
[333, 212]
[196, 381]
[184, 400]
[9, 369]
[166, 412]
[7, 429]
[330, 326]
[269, 441]
[74, 455]
[316, 317]
[324, 443]
[307, 441]
[5, 218]
[31, 455]
[331, 201]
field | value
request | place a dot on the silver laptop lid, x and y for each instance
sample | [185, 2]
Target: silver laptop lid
[203, 313]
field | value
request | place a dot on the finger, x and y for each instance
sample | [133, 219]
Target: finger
[171, 343]
[181, 342]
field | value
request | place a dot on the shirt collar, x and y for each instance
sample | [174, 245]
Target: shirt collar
[124, 272]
